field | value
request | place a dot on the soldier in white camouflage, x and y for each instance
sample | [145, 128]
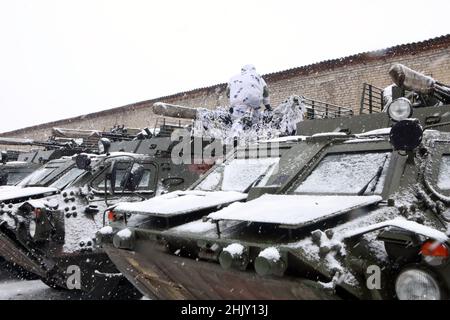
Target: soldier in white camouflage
[246, 92]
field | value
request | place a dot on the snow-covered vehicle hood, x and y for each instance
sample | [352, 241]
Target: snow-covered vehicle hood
[8, 188]
[181, 202]
[292, 210]
[11, 193]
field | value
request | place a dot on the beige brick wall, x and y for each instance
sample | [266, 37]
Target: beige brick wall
[339, 85]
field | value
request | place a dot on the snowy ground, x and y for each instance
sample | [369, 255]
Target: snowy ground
[12, 288]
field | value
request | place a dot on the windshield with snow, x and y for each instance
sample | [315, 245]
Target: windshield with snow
[443, 181]
[15, 177]
[36, 177]
[238, 174]
[360, 173]
[67, 178]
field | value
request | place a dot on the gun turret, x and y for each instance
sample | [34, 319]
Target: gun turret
[174, 111]
[411, 80]
[49, 145]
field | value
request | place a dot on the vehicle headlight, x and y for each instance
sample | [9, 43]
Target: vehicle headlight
[101, 147]
[415, 284]
[32, 228]
[400, 109]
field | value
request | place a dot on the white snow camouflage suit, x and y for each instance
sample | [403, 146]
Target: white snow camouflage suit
[246, 92]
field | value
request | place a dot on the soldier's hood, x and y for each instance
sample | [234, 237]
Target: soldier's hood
[249, 68]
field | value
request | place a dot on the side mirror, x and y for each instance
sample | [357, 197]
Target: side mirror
[83, 161]
[111, 176]
[133, 177]
[4, 155]
[104, 144]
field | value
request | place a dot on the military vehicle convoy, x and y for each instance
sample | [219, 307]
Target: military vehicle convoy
[11, 172]
[49, 233]
[56, 154]
[63, 142]
[357, 209]
[53, 231]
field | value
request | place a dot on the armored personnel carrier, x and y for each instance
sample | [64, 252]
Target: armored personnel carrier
[352, 213]
[57, 149]
[15, 165]
[49, 236]
[53, 235]
[11, 172]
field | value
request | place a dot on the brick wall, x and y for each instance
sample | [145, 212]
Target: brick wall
[337, 81]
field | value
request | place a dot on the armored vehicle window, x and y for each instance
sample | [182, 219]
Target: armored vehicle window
[238, 174]
[146, 182]
[346, 173]
[100, 183]
[67, 178]
[443, 182]
[15, 177]
[36, 177]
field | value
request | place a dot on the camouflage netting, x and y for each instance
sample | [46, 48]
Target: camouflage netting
[219, 124]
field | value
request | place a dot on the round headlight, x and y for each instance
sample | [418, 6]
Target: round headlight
[101, 147]
[406, 135]
[400, 109]
[415, 284]
[32, 228]
[104, 144]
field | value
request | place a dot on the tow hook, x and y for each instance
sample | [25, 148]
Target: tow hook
[91, 209]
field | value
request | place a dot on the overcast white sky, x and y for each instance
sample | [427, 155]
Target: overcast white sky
[61, 58]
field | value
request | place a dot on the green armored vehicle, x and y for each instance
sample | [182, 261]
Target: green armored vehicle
[54, 236]
[29, 177]
[224, 184]
[360, 212]
[11, 172]
[62, 143]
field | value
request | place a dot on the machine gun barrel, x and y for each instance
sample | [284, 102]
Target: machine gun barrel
[174, 111]
[17, 142]
[118, 136]
[442, 92]
[409, 79]
[49, 145]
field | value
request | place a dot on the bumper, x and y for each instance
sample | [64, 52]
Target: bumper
[164, 276]
[13, 252]
[99, 277]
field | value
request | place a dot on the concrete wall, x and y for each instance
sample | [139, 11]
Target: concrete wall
[337, 81]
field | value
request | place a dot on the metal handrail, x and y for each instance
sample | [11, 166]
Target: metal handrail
[317, 109]
[371, 99]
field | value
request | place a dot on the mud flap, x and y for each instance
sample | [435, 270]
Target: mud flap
[12, 252]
